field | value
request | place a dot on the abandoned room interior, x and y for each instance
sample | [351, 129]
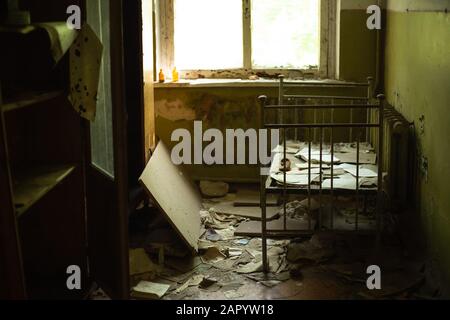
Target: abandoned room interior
[224, 150]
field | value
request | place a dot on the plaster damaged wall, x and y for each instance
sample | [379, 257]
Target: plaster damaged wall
[417, 79]
[216, 108]
[228, 108]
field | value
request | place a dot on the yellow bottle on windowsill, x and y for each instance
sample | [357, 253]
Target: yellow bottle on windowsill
[175, 76]
[161, 76]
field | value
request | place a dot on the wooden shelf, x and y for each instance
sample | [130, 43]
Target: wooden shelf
[29, 99]
[31, 185]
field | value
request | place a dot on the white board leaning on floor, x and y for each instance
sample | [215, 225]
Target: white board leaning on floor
[175, 195]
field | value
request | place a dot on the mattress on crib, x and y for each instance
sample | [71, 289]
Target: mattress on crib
[314, 167]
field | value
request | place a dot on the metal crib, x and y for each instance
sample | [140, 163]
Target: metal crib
[289, 116]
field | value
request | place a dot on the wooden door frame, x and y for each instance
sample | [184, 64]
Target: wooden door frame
[119, 184]
[134, 75]
[120, 139]
[11, 267]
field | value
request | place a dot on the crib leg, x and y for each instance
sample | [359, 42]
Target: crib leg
[365, 205]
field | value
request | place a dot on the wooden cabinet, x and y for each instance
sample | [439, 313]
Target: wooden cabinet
[59, 205]
[11, 270]
[43, 138]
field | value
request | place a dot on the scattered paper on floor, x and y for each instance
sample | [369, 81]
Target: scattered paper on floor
[150, 290]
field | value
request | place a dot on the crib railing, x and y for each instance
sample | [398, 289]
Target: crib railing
[315, 133]
[325, 115]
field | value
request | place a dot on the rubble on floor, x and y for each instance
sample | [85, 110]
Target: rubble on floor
[98, 294]
[314, 251]
[300, 209]
[214, 189]
[327, 265]
[141, 266]
[149, 290]
[228, 208]
[251, 198]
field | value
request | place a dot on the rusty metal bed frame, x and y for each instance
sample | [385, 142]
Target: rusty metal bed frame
[374, 122]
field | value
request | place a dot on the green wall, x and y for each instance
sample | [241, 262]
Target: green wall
[417, 81]
[357, 47]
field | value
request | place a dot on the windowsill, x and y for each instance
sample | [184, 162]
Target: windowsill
[238, 83]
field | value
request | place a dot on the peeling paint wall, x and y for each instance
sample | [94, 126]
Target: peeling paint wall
[227, 108]
[417, 80]
[221, 108]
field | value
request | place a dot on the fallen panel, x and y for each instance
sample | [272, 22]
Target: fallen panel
[254, 228]
[174, 194]
[253, 213]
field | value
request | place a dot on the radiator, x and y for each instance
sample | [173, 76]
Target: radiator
[397, 157]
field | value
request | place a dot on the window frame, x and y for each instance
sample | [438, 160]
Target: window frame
[165, 54]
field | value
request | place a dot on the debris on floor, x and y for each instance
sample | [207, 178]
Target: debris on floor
[207, 282]
[228, 262]
[212, 255]
[254, 228]
[212, 189]
[312, 250]
[251, 267]
[233, 294]
[261, 276]
[183, 264]
[140, 265]
[212, 235]
[254, 213]
[216, 220]
[97, 293]
[149, 290]
[192, 282]
[251, 198]
[299, 209]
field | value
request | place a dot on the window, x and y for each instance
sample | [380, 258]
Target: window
[101, 130]
[208, 34]
[285, 36]
[236, 38]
